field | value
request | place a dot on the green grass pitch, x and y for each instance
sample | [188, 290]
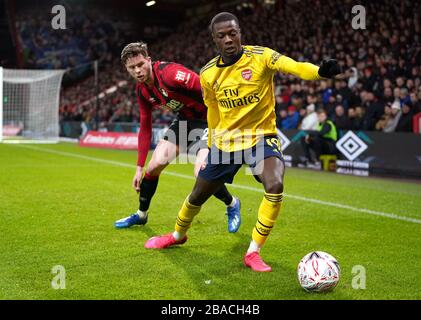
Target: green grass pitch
[59, 203]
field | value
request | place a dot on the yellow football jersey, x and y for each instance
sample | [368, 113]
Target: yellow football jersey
[240, 96]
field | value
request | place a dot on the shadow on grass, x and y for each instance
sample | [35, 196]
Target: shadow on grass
[218, 272]
[213, 263]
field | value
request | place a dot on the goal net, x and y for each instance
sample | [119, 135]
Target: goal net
[29, 105]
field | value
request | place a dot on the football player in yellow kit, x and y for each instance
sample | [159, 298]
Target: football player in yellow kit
[238, 91]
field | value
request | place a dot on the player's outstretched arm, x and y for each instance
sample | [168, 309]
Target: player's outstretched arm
[308, 71]
[304, 70]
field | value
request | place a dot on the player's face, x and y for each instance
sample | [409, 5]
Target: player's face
[140, 68]
[227, 37]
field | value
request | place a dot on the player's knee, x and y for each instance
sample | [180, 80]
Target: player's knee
[155, 168]
[195, 198]
[200, 193]
[275, 186]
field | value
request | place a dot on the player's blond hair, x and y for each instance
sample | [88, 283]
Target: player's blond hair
[134, 49]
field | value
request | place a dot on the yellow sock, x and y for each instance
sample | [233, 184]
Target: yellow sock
[268, 212]
[185, 216]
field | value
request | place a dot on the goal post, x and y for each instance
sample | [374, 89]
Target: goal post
[29, 105]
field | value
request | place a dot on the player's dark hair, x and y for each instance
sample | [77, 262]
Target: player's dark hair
[134, 49]
[222, 17]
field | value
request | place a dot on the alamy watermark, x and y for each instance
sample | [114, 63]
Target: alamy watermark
[359, 20]
[58, 22]
[59, 279]
[233, 146]
[359, 277]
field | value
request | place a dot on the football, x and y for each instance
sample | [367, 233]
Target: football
[318, 271]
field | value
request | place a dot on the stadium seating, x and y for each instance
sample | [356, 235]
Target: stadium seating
[384, 59]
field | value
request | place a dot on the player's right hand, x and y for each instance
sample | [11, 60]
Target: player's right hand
[137, 179]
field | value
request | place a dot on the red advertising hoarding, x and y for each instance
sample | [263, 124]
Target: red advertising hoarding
[112, 140]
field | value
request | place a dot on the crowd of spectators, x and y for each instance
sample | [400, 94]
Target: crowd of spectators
[89, 34]
[117, 100]
[382, 87]
[381, 90]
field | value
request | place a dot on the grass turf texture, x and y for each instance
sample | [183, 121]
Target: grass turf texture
[58, 209]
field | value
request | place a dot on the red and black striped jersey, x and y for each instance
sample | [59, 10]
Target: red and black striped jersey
[174, 87]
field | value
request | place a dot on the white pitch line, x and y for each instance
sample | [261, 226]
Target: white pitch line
[238, 186]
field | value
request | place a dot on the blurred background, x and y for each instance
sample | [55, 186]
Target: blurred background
[379, 99]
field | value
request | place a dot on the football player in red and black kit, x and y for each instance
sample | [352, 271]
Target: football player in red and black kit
[173, 86]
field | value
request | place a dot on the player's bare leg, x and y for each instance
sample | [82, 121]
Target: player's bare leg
[272, 177]
[201, 192]
[164, 153]
[201, 157]
[233, 203]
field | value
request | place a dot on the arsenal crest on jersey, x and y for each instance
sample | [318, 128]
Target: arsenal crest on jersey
[247, 74]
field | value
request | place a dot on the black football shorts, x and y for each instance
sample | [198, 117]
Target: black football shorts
[223, 166]
[188, 134]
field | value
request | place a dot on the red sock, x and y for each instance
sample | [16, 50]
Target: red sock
[149, 177]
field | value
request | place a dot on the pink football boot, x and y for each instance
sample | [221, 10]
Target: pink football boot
[255, 262]
[162, 242]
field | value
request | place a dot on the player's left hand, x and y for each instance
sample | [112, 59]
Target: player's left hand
[137, 179]
[329, 68]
